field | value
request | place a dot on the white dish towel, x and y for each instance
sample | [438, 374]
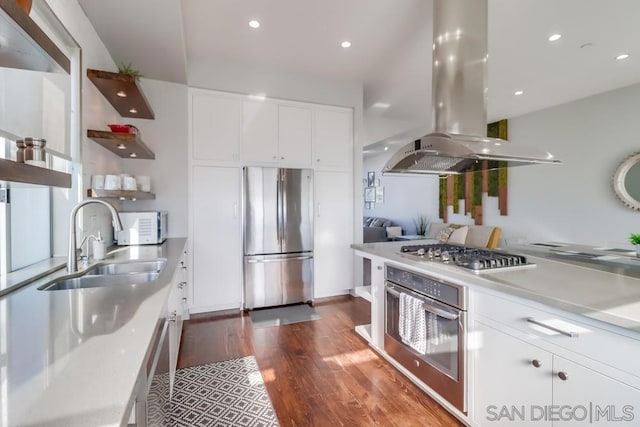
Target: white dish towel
[412, 323]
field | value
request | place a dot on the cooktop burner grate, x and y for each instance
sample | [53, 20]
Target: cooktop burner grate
[476, 259]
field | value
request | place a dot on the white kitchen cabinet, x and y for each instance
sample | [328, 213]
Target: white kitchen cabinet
[260, 131]
[217, 239]
[508, 373]
[535, 367]
[333, 225]
[332, 138]
[294, 140]
[595, 398]
[215, 127]
[275, 134]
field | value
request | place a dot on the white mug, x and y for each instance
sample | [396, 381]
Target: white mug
[144, 183]
[112, 182]
[129, 184]
[97, 182]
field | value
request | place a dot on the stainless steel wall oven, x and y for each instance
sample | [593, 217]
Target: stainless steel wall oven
[429, 341]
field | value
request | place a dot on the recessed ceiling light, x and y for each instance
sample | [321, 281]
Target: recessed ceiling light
[386, 148]
[133, 111]
[382, 105]
[254, 24]
[122, 147]
[622, 56]
[122, 94]
[554, 37]
[345, 44]
[133, 155]
[518, 92]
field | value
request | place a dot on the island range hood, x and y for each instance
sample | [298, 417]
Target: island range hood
[459, 142]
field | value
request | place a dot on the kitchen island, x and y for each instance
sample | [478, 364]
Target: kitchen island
[557, 333]
[75, 357]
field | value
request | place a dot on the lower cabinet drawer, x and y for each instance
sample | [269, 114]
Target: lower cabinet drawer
[607, 347]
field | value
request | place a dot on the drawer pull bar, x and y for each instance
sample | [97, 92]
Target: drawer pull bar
[551, 328]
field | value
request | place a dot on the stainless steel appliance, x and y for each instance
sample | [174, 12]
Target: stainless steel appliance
[278, 236]
[443, 365]
[474, 259]
[454, 139]
[142, 228]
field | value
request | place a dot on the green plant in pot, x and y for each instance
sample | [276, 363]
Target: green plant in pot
[129, 70]
[421, 224]
[634, 238]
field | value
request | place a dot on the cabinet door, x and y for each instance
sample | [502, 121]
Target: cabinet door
[294, 141]
[259, 132]
[333, 258]
[332, 138]
[506, 382]
[585, 396]
[217, 239]
[215, 127]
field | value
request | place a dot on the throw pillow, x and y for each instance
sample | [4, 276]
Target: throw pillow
[435, 228]
[454, 233]
[367, 221]
[394, 232]
[378, 222]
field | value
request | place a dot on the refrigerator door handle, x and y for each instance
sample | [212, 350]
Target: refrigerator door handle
[278, 208]
[260, 261]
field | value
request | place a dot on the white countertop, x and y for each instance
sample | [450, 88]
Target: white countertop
[72, 357]
[600, 295]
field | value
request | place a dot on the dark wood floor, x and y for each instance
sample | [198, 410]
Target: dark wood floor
[317, 373]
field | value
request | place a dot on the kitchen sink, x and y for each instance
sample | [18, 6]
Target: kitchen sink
[88, 281]
[127, 268]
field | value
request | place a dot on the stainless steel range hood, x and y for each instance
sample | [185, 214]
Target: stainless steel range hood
[459, 142]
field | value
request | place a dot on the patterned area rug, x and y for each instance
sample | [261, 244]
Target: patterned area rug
[228, 393]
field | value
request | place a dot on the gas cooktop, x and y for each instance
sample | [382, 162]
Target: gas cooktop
[474, 259]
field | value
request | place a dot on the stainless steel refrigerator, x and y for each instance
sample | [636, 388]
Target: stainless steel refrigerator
[278, 236]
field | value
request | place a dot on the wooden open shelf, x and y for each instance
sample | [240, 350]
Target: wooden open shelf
[22, 172]
[120, 194]
[25, 45]
[110, 84]
[131, 142]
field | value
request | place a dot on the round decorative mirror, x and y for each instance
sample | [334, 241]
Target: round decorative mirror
[626, 181]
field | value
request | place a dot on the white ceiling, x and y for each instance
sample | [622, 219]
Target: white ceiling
[391, 45]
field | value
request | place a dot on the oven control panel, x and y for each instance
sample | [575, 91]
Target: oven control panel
[430, 287]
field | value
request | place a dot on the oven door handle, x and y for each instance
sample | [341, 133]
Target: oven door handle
[429, 307]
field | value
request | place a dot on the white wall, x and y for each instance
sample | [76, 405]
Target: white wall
[405, 197]
[166, 136]
[574, 202]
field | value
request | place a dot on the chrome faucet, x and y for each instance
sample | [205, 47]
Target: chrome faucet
[72, 258]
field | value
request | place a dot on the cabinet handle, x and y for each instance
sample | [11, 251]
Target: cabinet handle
[416, 363]
[184, 299]
[536, 363]
[235, 210]
[181, 285]
[379, 267]
[317, 160]
[563, 376]
[173, 316]
[552, 328]
[282, 158]
[318, 209]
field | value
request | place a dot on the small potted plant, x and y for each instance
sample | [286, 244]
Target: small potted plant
[129, 70]
[421, 225]
[634, 238]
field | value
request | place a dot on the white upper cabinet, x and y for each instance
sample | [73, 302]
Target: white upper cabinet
[332, 138]
[215, 127]
[259, 131]
[276, 134]
[294, 126]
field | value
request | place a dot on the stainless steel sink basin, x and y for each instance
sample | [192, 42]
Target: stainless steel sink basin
[88, 281]
[127, 267]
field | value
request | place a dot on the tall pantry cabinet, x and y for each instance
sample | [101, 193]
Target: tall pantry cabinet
[229, 131]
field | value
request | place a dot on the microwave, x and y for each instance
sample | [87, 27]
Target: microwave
[142, 228]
